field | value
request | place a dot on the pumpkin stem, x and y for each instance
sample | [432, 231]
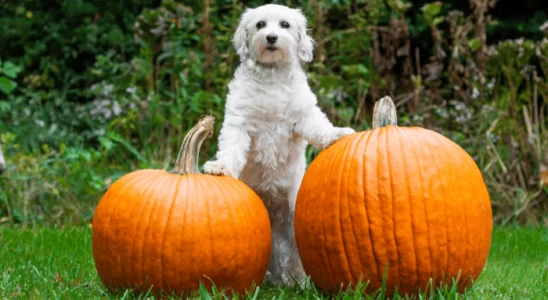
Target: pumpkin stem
[188, 158]
[384, 113]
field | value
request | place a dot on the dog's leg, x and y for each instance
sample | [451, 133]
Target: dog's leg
[318, 131]
[285, 264]
[234, 143]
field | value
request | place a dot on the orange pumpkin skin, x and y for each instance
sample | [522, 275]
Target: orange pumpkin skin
[404, 198]
[169, 232]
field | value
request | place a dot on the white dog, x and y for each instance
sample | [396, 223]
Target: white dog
[270, 116]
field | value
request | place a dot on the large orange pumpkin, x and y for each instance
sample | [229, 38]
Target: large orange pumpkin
[168, 231]
[402, 200]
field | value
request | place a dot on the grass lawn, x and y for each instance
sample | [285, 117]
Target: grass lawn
[57, 263]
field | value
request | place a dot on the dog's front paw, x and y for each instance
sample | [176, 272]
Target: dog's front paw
[339, 133]
[217, 167]
[342, 132]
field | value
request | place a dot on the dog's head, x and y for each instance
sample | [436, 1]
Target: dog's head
[273, 33]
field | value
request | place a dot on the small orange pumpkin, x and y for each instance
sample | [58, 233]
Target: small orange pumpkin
[169, 231]
[404, 200]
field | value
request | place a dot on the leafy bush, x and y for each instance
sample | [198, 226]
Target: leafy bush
[91, 90]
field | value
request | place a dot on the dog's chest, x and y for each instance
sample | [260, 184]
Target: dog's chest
[271, 111]
[271, 103]
[271, 116]
[272, 140]
[270, 130]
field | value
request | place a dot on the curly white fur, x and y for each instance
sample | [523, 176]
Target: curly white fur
[2, 161]
[270, 116]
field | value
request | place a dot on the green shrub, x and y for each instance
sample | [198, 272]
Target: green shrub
[92, 90]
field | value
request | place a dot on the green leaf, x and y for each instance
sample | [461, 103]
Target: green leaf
[7, 85]
[474, 44]
[204, 293]
[117, 138]
[437, 20]
[10, 69]
[431, 9]
[107, 143]
[5, 106]
[356, 70]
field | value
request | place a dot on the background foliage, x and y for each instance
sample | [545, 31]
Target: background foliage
[90, 90]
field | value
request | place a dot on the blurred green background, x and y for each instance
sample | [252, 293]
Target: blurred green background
[91, 90]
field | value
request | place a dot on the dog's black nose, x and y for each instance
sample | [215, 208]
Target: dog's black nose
[271, 38]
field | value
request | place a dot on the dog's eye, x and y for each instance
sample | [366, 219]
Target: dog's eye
[261, 24]
[284, 24]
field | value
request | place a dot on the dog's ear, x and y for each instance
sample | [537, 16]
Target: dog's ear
[239, 39]
[305, 47]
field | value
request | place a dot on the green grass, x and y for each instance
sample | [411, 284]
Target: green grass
[57, 264]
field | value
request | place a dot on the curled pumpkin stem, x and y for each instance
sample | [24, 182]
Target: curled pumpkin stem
[188, 158]
[384, 113]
